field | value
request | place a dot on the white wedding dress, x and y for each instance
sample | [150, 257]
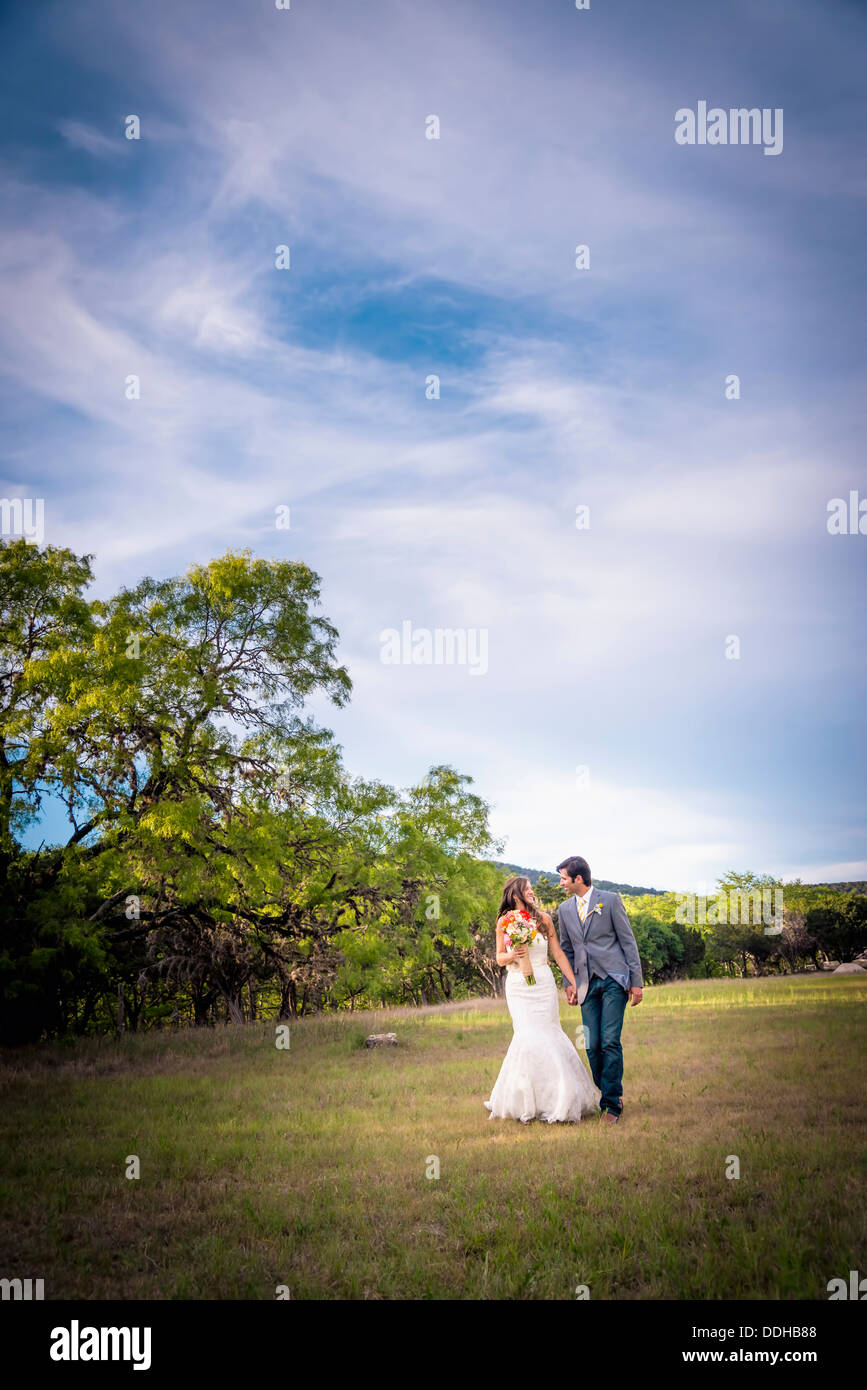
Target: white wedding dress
[542, 1076]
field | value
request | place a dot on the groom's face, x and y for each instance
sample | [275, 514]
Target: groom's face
[570, 885]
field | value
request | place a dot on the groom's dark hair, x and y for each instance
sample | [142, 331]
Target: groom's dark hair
[576, 867]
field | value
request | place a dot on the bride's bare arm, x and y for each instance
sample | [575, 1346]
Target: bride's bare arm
[505, 957]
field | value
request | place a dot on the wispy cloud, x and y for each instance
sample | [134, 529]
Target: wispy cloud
[84, 137]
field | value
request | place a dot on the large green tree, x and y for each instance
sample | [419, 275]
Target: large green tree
[217, 851]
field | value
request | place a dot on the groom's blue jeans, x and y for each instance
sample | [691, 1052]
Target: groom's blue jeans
[602, 1016]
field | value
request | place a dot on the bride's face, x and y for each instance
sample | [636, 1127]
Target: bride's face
[528, 895]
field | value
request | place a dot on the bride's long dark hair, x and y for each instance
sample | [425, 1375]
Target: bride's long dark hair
[513, 898]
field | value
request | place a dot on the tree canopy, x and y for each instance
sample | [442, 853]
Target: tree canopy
[218, 851]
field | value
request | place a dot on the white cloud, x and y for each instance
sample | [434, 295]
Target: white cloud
[631, 834]
[84, 137]
[853, 871]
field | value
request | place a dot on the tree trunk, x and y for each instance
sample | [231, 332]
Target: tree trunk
[288, 999]
[202, 1001]
[134, 1009]
[234, 1009]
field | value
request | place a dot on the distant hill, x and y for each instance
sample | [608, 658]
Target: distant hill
[534, 874]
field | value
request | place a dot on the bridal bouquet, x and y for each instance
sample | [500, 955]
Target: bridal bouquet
[519, 929]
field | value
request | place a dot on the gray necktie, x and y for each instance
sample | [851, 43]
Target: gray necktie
[581, 976]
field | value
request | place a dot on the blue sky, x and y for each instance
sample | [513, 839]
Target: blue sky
[559, 388]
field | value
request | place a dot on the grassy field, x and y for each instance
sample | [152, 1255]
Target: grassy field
[307, 1167]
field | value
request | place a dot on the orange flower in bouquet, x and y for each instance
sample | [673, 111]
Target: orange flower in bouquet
[519, 929]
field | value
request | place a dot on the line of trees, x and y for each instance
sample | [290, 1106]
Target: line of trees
[221, 864]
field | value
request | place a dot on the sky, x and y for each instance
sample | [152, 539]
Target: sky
[667, 643]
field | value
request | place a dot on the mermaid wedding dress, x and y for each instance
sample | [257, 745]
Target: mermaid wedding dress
[542, 1076]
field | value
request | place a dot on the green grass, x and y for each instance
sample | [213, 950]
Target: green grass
[307, 1167]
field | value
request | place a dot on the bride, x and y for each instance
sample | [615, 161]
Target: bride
[542, 1076]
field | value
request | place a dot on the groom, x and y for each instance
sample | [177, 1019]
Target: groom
[599, 944]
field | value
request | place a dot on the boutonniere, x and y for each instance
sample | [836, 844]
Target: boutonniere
[597, 907]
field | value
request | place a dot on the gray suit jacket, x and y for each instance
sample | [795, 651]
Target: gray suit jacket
[608, 938]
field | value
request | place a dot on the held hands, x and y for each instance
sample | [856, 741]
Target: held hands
[635, 995]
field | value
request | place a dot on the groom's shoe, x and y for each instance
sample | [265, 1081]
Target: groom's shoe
[610, 1117]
